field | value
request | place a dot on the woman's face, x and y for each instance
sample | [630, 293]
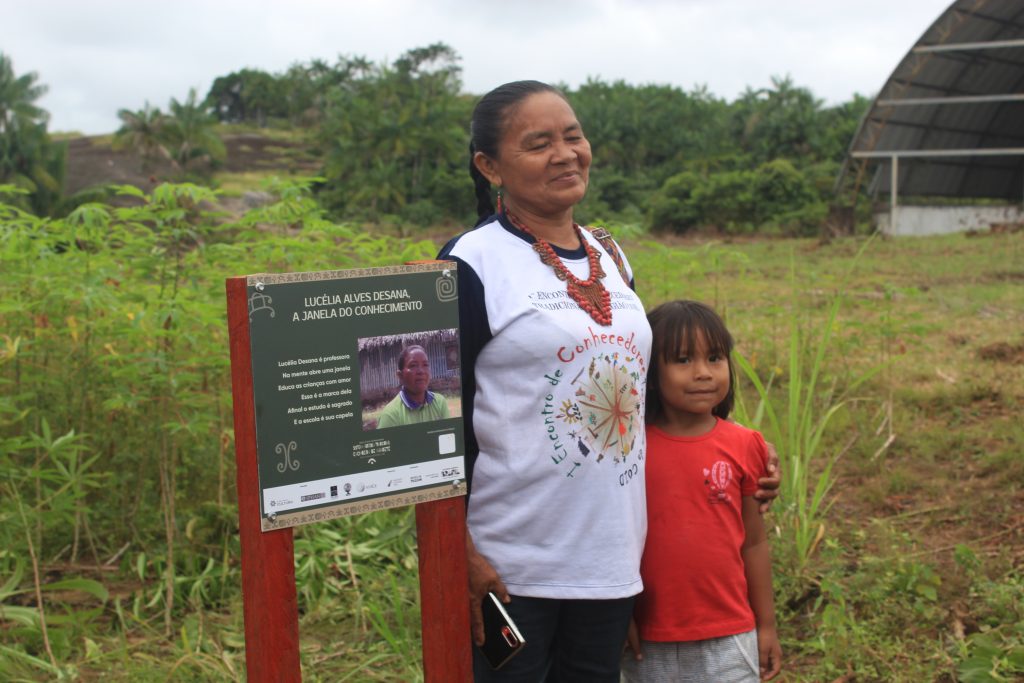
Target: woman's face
[543, 159]
[415, 374]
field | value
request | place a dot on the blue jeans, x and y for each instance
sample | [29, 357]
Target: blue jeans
[567, 641]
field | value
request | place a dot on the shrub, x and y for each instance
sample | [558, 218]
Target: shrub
[776, 193]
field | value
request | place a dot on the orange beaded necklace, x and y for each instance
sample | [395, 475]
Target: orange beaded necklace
[590, 294]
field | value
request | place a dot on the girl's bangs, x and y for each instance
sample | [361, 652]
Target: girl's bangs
[680, 335]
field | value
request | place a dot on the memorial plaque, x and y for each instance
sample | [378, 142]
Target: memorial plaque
[338, 428]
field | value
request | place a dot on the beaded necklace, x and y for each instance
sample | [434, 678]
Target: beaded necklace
[590, 294]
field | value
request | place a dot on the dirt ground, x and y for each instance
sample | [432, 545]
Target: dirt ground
[93, 162]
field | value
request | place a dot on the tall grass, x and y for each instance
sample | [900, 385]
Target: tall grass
[796, 416]
[115, 438]
[91, 393]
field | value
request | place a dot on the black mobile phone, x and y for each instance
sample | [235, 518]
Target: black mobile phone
[502, 640]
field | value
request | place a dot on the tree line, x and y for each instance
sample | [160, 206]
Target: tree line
[394, 138]
[393, 141]
[29, 159]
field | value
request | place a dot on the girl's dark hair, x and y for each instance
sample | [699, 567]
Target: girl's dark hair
[675, 326]
[404, 356]
[487, 127]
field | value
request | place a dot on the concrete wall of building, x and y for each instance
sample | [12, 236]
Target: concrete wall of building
[941, 220]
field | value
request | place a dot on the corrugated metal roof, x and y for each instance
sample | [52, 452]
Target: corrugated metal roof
[961, 87]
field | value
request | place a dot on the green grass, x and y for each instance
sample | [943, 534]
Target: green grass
[235, 184]
[952, 476]
[118, 348]
[285, 134]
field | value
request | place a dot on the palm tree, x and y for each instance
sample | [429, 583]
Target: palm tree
[28, 158]
[17, 98]
[781, 121]
[143, 131]
[21, 121]
[191, 134]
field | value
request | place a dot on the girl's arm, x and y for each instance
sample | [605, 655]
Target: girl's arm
[757, 566]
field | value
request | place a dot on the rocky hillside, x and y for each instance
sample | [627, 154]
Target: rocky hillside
[92, 161]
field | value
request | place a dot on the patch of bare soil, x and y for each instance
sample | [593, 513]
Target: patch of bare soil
[1002, 352]
[968, 505]
[93, 162]
[253, 152]
[996, 229]
[963, 499]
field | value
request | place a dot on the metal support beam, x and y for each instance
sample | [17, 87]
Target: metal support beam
[955, 47]
[965, 99]
[894, 192]
[903, 123]
[932, 153]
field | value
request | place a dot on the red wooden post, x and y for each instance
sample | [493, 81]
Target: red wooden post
[444, 594]
[268, 559]
[444, 587]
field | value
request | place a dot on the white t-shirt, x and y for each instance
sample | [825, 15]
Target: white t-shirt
[557, 493]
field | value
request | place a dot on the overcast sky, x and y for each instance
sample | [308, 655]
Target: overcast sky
[103, 55]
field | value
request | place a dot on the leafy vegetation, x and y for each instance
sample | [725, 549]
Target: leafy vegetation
[120, 557]
[391, 142]
[897, 539]
[393, 136]
[800, 427]
[888, 372]
[29, 159]
[116, 438]
[186, 136]
[395, 141]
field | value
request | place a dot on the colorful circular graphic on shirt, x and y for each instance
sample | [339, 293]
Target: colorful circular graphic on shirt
[601, 408]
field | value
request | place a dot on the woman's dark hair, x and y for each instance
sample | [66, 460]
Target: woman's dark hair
[404, 355]
[487, 127]
[675, 326]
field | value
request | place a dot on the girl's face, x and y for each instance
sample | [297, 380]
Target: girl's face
[693, 384]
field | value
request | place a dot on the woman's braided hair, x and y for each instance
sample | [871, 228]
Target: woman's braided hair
[487, 127]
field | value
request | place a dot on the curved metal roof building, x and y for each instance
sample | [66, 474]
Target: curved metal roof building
[949, 121]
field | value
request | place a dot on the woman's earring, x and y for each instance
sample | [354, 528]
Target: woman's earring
[499, 206]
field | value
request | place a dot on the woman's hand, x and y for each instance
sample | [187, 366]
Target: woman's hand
[633, 640]
[768, 487]
[482, 578]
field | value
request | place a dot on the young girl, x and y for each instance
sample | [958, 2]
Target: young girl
[706, 613]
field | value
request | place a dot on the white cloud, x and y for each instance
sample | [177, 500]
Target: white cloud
[99, 57]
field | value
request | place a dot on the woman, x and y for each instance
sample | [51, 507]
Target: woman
[414, 402]
[555, 346]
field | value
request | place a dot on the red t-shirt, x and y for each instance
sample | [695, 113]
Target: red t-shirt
[694, 584]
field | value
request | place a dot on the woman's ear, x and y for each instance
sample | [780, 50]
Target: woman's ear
[488, 167]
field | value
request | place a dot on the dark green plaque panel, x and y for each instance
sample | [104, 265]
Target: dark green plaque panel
[320, 453]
